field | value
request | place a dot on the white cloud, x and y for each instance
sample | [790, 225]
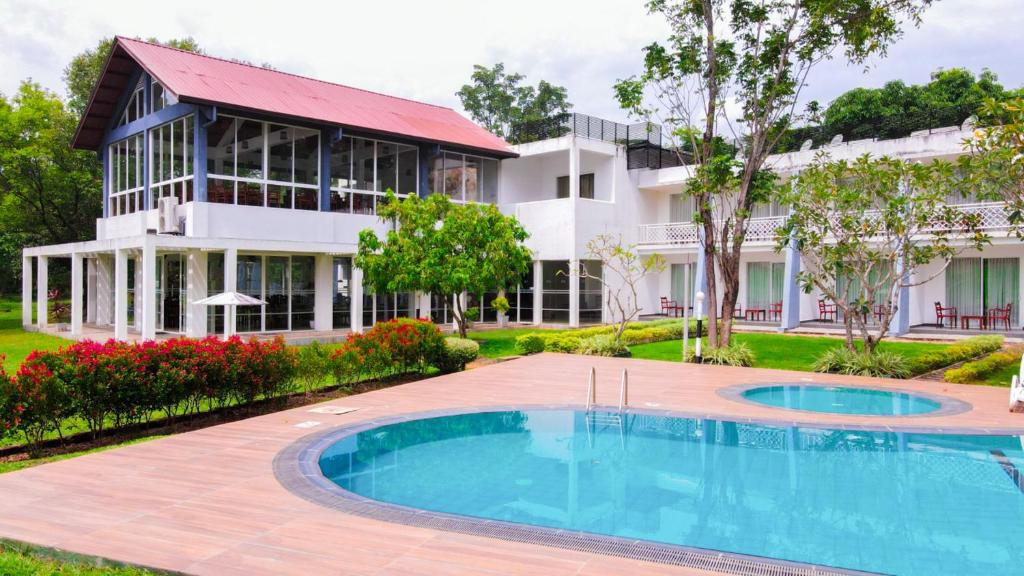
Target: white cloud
[426, 50]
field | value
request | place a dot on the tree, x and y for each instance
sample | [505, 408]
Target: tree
[622, 271]
[82, 73]
[757, 56]
[995, 162]
[499, 101]
[440, 247]
[866, 229]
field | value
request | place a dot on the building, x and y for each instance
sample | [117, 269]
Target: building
[220, 176]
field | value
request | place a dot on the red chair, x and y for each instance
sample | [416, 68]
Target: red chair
[943, 312]
[669, 307]
[775, 310]
[999, 315]
[880, 311]
[827, 312]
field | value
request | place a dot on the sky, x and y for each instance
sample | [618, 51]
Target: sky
[426, 50]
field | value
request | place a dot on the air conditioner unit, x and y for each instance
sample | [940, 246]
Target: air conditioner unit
[167, 212]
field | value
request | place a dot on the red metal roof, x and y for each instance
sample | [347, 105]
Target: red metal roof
[205, 79]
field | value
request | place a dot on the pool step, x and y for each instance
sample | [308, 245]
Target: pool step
[592, 390]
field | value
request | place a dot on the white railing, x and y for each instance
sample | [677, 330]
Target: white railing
[992, 214]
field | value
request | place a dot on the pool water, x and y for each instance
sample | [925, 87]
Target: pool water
[897, 503]
[840, 400]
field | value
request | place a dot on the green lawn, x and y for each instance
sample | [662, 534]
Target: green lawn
[502, 342]
[21, 560]
[15, 343]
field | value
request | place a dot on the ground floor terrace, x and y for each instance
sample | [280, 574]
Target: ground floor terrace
[148, 287]
[978, 292]
[208, 501]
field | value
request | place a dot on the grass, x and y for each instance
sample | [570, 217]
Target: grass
[780, 351]
[15, 343]
[14, 465]
[1001, 377]
[23, 560]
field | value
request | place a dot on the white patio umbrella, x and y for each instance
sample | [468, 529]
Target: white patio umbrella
[229, 300]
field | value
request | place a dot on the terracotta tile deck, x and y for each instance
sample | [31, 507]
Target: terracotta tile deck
[207, 502]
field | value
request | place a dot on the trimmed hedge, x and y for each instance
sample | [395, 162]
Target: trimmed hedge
[127, 383]
[530, 344]
[966, 349]
[980, 369]
[457, 353]
[571, 341]
[398, 346]
[602, 345]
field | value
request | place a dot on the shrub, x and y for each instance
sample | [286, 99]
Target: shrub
[38, 399]
[501, 304]
[881, 364]
[457, 353]
[966, 349]
[979, 369]
[529, 344]
[738, 354]
[389, 348]
[561, 342]
[314, 363]
[602, 345]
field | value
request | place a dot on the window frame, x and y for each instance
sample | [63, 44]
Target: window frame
[349, 193]
[445, 154]
[114, 176]
[187, 159]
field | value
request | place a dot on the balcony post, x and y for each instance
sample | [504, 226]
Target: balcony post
[76, 294]
[90, 290]
[121, 294]
[42, 282]
[26, 291]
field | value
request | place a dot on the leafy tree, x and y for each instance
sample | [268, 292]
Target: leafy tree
[757, 55]
[440, 247]
[866, 228]
[995, 163]
[622, 271]
[82, 73]
[499, 101]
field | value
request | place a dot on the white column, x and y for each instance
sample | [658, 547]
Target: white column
[574, 293]
[90, 290]
[424, 304]
[140, 294]
[574, 168]
[196, 283]
[104, 289]
[355, 291]
[76, 294]
[230, 285]
[323, 299]
[26, 291]
[121, 294]
[148, 322]
[538, 292]
[42, 280]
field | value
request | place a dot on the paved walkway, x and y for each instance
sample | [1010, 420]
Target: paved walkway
[207, 502]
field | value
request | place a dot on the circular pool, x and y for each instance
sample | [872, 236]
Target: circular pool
[842, 400]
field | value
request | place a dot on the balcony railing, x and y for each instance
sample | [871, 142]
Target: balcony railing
[992, 214]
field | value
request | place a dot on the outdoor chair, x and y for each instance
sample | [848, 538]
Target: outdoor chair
[880, 310]
[999, 315]
[667, 306]
[827, 312]
[943, 312]
[775, 310]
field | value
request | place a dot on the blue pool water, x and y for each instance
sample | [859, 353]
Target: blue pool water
[896, 503]
[839, 400]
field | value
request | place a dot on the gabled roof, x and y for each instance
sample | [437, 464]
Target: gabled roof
[203, 79]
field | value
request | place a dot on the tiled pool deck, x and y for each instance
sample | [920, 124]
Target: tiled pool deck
[207, 502]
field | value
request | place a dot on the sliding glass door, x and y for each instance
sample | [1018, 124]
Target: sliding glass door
[764, 284]
[976, 285]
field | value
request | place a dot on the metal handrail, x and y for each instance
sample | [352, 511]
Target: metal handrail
[592, 389]
[624, 390]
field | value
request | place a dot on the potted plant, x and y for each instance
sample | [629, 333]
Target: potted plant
[501, 305]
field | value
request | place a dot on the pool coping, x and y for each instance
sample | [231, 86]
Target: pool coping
[296, 467]
[948, 406]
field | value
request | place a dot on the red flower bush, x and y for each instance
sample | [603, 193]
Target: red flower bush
[394, 347]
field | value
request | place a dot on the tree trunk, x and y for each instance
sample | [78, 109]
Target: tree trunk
[460, 316]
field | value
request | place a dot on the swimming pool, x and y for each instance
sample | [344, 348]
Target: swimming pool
[842, 400]
[892, 502]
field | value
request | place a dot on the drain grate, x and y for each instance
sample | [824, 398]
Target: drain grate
[297, 469]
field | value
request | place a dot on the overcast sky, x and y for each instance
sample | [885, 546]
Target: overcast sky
[426, 50]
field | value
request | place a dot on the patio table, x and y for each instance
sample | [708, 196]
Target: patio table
[965, 321]
[754, 313]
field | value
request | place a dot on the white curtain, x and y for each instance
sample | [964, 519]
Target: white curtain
[682, 283]
[964, 286]
[1002, 284]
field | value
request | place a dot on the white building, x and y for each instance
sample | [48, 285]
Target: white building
[220, 176]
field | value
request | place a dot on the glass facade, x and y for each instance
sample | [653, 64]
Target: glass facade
[464, 178]
[341, 307]
[363, 170]
[591, 292]
[171, 157]
[255, 163]
[555, 291]
[586, 186]
[124, 176]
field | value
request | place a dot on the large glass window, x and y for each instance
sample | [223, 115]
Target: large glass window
[590, 292]
[134, 108]
[681, 208]
[249, 282]
[521, 299]
[159, 97]
[586, 186]
[215, 285]
[303, 295]
[363, 170]
[170, 169]
[464, 178]
[286, 283]
[124, 177]
[764, 284]
[256, 163]
[977, 285]
[555, 298]
[342, 305]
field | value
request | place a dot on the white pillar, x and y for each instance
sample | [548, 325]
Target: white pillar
[42, 280]
[230, 285]
[356, 292]
[76, 294]
[104, 290]
[323, 297]
[140, 294]
[121, 294]
[574, 293]
[90, 290]
[26, 291]
[538, 292]
[424, 305]
[574, 168]
[148, 322]
[196, 283]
